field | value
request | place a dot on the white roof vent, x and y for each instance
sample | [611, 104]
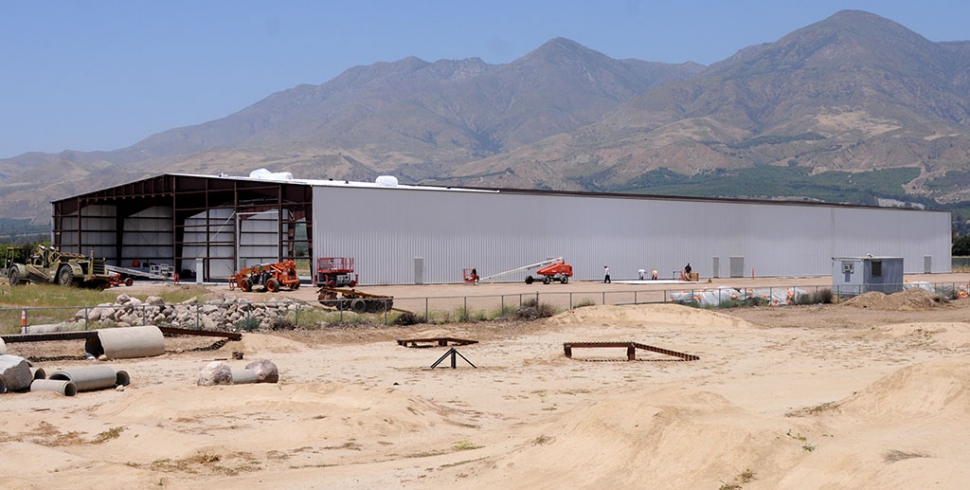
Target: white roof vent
[387, 181]
[264, 174]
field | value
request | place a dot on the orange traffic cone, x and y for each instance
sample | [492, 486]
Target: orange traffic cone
[23, 317]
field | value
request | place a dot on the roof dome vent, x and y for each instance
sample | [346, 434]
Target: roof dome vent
[387, 181]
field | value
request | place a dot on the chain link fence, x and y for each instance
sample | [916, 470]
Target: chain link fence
[285, 314]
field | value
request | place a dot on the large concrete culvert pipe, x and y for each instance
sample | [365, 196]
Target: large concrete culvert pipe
[65, 388]
[126, 342]
[92, 378]
[243, 376]
[38, 373]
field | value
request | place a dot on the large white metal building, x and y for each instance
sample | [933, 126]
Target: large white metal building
[210, 226]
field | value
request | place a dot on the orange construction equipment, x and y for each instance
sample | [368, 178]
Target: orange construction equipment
[336, 272]
[117, 280]
[559, 270]
[269, 277]
[548, 270]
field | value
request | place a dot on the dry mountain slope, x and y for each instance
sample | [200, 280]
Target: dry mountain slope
[411, 117]
[852, 92]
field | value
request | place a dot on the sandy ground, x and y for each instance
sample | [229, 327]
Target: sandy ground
[871, 393]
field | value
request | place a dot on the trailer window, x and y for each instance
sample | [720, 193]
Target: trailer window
[876, 268]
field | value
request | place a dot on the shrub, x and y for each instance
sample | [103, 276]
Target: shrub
[408, 318]
[532, 309]
[820, 296]
[247, 324]
[584, 303]
[282, 323]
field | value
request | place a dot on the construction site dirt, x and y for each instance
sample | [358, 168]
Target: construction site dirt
[780, 397]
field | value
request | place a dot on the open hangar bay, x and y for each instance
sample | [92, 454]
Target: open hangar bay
[207, 227]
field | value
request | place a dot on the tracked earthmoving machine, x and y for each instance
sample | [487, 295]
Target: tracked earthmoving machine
[51, 266]
[353, 300]
[267, 277]
[336, 272]
[548, 270]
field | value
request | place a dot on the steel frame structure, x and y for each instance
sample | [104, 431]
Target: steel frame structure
[187, 196]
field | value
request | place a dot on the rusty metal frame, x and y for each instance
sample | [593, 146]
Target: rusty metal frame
[89, 334]
[440, 341]
[631, 349]
[454, 354]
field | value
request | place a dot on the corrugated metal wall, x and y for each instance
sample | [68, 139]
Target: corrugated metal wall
[147, 236]
[97, 231]
[385, 229]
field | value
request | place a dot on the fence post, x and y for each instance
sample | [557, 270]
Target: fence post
[426, 310]
[604, 298]
[197, 319]
[570, 301]
[85, 317]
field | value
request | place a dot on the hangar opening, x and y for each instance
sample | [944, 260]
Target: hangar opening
[200, 227]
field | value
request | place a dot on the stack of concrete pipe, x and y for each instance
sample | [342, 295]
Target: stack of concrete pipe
[16, 374]
[87, 378]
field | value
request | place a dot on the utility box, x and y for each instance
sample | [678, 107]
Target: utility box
[852, 276]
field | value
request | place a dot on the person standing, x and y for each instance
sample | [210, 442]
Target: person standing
[687, 269]
[606, 271]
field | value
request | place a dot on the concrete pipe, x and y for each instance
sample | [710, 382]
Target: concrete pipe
[65, 388]
[3, 347]
[243, 376]
[127, 342]
[38, 373]
[92, 378]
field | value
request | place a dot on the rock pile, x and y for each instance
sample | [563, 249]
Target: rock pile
[224, 314]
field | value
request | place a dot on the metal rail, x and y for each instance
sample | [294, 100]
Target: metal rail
[90, 334]
[631, 349]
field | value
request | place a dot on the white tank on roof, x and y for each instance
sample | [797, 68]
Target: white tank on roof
[387, 181]
[264, 174]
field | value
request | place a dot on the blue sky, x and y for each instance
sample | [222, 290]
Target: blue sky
[101, 75]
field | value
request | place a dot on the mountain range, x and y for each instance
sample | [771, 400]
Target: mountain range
[854, 108]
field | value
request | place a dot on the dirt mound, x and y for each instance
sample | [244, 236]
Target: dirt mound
[652, 314]
[947, 335]
[908, 300]
[695, 439]
[929, 389]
